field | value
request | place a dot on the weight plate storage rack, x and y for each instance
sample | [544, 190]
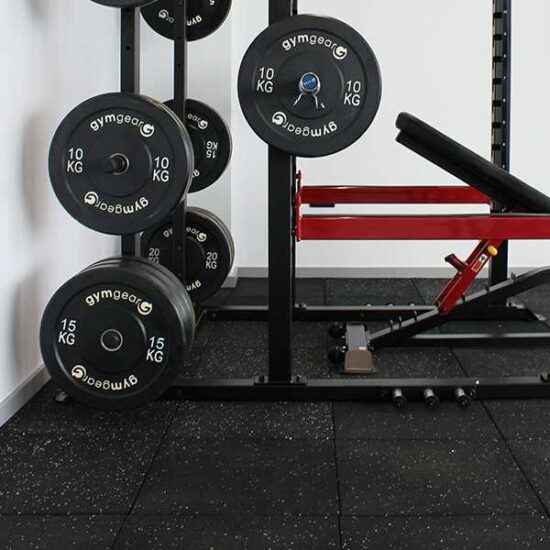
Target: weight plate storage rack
[282, 383]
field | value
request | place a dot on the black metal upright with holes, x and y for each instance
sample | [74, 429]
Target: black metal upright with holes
[180, 97]
[281, 242]
[501, 113]
[129, 79]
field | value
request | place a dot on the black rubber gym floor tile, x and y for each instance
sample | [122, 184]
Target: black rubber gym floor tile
[384, 421]
[246, 334]
[250, 292]
[193, 360]
[230, 361]
[53, 532]
[371, 291]
[521, 419]
[239, 420]
[73, 474]
[530, 532]
[503, 360]
[311, 292]
[226, 533]
[202, 335]
[219, 299]
[308, 335]
[252, 334]
[256, 292]
[42, 415]
[312, 362]
[431, 477]
[234, 361]
[537, 299]
[533, 455]
[270, 477]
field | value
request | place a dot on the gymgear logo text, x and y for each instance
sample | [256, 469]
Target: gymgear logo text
[338, 51]
[145, 128]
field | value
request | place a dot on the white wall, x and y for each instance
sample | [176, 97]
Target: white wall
[55, 54]
[435, 59]
[530, 117]
[52, 57]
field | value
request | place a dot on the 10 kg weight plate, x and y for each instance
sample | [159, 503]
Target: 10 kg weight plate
[310, 86]
[210, 252]
[120, 163]
[203, 17]
[114, 336]
[211, 143]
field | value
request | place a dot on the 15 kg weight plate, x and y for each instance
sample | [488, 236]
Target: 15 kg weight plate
[210, 252]
[115, 335]
[211, 143]
[310, 86]
[120, 163]
[123, 3]
[203, 17]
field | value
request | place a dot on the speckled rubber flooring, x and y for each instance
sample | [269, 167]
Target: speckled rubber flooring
[254, 476]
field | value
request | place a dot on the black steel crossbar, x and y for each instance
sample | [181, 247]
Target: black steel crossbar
[371, 389]
[303, 313]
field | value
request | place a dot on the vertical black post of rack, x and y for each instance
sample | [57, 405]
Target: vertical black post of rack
[129, 79]
[281, 243]
[501, 104]
[180, 98]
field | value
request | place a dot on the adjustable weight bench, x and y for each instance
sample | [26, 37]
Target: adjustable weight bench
[469, 167]
[526, 215]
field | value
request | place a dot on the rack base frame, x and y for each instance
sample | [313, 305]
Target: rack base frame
[374, 388]
[371, 389]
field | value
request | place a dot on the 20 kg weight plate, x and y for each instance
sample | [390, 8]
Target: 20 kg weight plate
[210, 252]
[120, 163]
[310, 86]
[203, 17]
[211, 143]
[114, 336]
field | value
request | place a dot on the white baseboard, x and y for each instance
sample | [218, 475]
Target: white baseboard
[365, 273]
[23, 393]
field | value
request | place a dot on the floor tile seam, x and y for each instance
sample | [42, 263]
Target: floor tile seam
[518, 464]
[233, 516]
[459, 362]
[544, 508]
[337, 474]
[78, 433]
[120, 515]
[275, 516]
[472, 440]
[255, 439]
[423, 298]
[143, 481]
[536, 438]
[450, 515]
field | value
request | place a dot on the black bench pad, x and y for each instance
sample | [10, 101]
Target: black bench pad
[471, 168]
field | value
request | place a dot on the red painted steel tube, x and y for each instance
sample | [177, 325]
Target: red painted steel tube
[392, 195]
[403, 228]
[467, 273]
